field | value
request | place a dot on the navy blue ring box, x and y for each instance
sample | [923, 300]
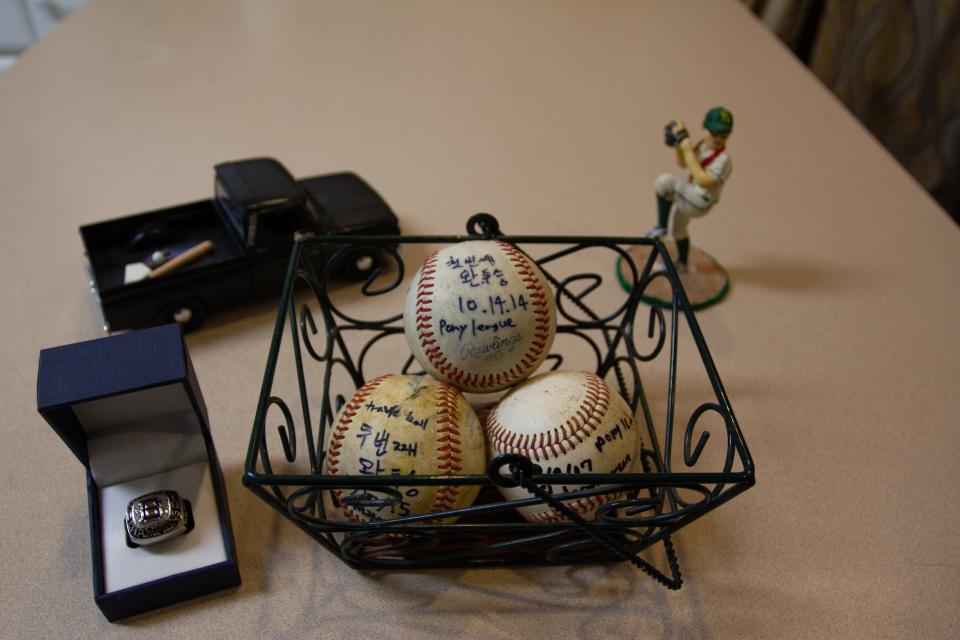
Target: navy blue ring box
[130, 408]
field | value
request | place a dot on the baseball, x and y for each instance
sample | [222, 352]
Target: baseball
[566, 422]
[479, 315]
[405, 425]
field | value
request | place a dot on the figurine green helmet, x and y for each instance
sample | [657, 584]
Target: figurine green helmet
[718, 120]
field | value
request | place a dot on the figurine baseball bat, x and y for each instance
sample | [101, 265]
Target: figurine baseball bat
[186, 257]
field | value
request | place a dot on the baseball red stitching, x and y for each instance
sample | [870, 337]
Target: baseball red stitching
[551, 444]
[448, 445]
[448, 442]
[580, 505]
[339, 433]
[435, 355]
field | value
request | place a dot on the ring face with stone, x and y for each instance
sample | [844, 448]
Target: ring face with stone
[157, 516]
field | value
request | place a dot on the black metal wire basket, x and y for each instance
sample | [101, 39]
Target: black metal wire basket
[656, 359]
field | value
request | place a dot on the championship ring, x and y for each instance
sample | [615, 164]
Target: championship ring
[157, 516]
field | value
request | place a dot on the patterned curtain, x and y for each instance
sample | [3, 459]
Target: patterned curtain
[896, 65]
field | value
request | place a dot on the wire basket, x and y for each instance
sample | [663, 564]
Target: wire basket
[656, 359]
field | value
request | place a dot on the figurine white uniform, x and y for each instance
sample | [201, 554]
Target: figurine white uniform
[690, 200]
[709, 167]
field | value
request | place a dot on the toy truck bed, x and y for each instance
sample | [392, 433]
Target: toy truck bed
[257, 212]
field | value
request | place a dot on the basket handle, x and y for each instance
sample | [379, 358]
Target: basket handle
[483, 225]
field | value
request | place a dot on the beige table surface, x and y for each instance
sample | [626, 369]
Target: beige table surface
[837, 343]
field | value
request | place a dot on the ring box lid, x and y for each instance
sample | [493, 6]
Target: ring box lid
[105, 367]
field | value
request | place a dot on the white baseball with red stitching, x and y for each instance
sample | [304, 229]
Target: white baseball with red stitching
[403, 425]
[480, 315]
[566, 422]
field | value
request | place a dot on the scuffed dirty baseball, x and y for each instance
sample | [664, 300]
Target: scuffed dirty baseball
[479, 315]
[566, 422]
[404, 425]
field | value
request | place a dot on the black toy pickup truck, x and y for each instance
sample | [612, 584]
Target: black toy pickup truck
[243, 238]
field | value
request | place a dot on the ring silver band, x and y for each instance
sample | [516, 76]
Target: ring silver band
[157, 516]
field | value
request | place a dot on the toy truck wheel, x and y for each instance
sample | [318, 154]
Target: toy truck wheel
[357, 265]
[189, 313]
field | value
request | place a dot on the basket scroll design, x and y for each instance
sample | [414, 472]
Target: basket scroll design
[676, 486]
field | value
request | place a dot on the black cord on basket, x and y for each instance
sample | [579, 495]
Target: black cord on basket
[617, 548]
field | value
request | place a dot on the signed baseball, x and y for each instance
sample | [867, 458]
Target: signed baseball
[480, 315]
[566, 422]
[405, 425]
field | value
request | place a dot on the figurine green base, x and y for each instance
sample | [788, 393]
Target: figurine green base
[705, 282]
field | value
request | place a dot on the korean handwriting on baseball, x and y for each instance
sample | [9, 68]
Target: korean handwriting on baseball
[476, 271]
[409, 448]
[381, 439]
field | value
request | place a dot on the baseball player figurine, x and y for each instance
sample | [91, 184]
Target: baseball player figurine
[709, 168]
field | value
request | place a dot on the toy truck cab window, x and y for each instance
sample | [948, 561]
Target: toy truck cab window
[262, 201]
[273, 227]
[232, 214]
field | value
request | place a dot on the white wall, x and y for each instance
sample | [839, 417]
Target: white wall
[23, 22]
